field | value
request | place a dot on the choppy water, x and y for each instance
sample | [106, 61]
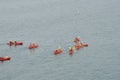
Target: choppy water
[51, 23]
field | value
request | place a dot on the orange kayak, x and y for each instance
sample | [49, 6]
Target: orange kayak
[33, 46]
[77, 46]
[59, 51]
[10, 43]
[71, 51]
[85, 45]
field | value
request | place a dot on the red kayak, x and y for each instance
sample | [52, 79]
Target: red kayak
[10, 43]
[76, 40]
[85, 45]
[77, 46]
[33, 46]
[59, 51]
[5, 58]
[71, 51]
[19, 43]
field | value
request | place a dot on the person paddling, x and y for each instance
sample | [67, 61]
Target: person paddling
[77, 39]
[71, 51]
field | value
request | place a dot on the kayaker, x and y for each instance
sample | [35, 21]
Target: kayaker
[77, 46]
[76, 40]
[71, 50]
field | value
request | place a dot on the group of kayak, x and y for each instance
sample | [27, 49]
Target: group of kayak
[10, 43]
[77, 45]
[16, 43]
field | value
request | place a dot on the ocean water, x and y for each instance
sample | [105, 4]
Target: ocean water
[53, 23]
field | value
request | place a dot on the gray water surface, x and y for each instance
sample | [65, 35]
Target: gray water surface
[53, 23]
